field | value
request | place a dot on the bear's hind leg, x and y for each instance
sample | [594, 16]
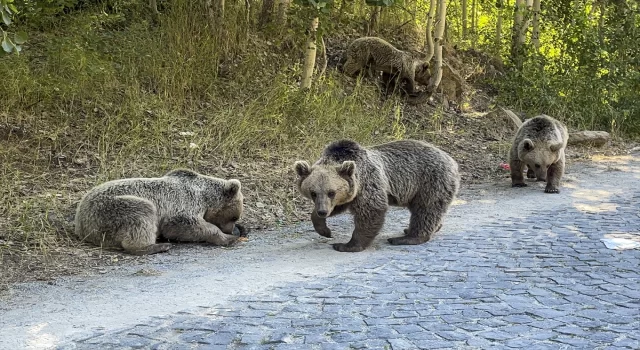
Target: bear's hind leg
[191, 229]
[425, 221]
[139, 228]
[530, 173]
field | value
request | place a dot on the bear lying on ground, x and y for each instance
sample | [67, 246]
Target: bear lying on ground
[397, 66]
[409, 173]
[182, 205]
[539, 144]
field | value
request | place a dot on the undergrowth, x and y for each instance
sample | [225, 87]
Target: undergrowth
[101, 96]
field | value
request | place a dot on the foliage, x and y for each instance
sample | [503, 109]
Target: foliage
[10, 43]
[323, 6]
[385, 3]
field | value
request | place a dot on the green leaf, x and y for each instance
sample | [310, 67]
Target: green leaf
[20, 37]
[7, 45]
[5, 18]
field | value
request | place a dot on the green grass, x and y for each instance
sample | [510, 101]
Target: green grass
[100, 96]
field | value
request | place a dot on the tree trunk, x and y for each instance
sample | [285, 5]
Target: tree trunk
[474, 23]
[517, 40]
[439, 34]
[221, 8]
[535, 35]
[498, 43]
[325, 61]
[603, 7]
[429, 44]
[283, 7]
[310, 56]
[464, 19]
[247, 7]
[266, 14]
[373, 21]
[153, 5]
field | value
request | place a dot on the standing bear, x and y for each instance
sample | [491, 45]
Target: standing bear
[539, 144]
[397, 65]
[182, 205]
[411, 174]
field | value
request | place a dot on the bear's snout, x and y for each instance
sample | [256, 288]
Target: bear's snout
[322, 213]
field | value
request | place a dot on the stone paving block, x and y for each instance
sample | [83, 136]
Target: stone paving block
[496, 286]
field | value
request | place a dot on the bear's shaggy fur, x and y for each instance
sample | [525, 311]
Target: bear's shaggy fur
[182, 205]
[539, 144]
[397, 65]
[409, 173]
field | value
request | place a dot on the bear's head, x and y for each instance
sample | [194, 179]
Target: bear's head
[423, 73]
[327, 185]
[228, 208]
[539, 156]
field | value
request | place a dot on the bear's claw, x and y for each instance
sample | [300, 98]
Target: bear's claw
[344, 247]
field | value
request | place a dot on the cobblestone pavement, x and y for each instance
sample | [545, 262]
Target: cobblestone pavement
[543, 281]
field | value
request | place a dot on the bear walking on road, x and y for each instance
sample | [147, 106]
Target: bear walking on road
[409, 173]
[182, 205]
[539, 144]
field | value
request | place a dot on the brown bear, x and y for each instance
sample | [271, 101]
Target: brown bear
[539, 144]
[379, 55]
[366, 181]
[182, 205]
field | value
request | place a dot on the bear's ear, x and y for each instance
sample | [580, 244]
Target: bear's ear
[185, 173]
[425, 66]
[555, 147]
[347, 168]
[302, 168]
[527, 145]
[232, 188]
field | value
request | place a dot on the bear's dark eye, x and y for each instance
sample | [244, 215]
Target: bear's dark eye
[313, 195]
[235, 218]
[538, 166]
[331, 194]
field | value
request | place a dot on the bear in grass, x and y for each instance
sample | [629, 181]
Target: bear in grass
[366, 181]
[182, 206]
[539, 144]
[399, 67]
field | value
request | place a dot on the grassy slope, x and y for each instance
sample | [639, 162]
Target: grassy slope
[95, 97]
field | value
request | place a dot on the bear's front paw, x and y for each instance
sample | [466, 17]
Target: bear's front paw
[344, 247]
[240, 230]
[520, 184]
[229, 241]
[324, 232]
[551, 189]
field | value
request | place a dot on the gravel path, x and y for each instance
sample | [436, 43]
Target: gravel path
[511, 268]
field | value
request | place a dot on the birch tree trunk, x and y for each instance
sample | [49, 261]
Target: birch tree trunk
[464, 19]
[474, 23]
[221, 8]
[310, 56]
[283, 7]
[498, 42]
[373, 21]
[517, 40]
[535, 35]
[429, 44]
[439, 34]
